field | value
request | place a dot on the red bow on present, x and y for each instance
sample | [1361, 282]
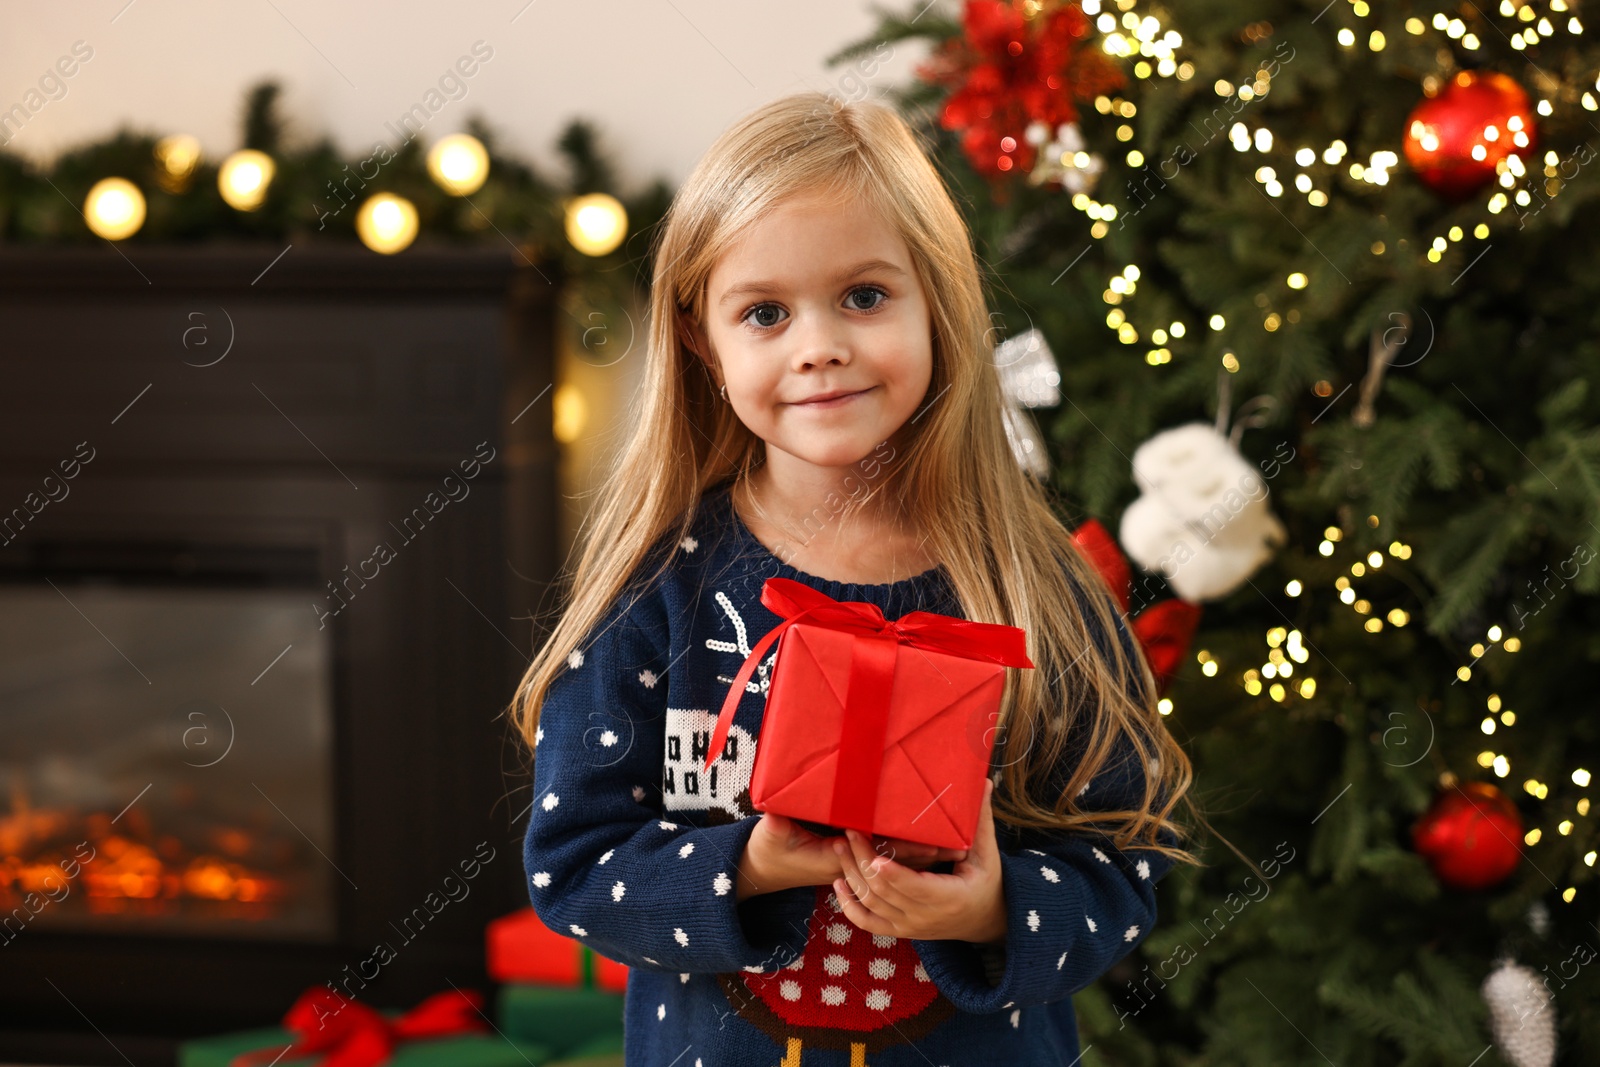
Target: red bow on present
[798, 602]
[1163, 630]
[355, 1035]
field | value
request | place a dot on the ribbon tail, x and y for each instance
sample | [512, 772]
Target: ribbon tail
[730, 703]
[797, 601]
[454, 1011]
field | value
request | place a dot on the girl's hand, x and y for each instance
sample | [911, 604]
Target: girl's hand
[782, 854]
[883, 896]
[915, 854]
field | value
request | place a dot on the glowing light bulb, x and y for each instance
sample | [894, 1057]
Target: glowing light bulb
[387, 223]
[596, 223]
[459, 164]
[178, 156]
[244, 178]
[114, 208]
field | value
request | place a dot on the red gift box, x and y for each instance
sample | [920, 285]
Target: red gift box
[521, 948]
[886, 727]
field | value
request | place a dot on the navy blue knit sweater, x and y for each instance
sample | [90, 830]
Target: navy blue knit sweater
[634, 852]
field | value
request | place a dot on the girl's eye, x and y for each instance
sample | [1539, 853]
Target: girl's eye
[764, 311]
[867, 289]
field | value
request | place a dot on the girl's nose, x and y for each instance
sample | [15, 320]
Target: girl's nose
[820, 341]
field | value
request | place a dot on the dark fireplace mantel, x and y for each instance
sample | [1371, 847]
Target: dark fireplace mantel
[359, 438]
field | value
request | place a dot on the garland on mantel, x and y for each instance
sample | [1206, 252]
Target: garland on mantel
[316, 193]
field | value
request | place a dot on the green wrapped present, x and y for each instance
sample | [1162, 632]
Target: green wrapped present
[603, 1051]
[470, 1050]
[562, 1020]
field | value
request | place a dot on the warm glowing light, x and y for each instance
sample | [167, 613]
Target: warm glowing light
[387, 223]
[459, 164]
[114, 208]
[596, 223]
[244, 178]
[570, 414]
[178, 155]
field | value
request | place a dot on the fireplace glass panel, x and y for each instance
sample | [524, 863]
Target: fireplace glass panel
[165, 759]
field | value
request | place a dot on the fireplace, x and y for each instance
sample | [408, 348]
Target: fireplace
[262, 549]
[104, 828]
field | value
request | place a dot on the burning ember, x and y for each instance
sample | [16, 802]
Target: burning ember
[189, 867]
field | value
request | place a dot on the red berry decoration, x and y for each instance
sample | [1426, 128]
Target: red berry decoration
[1454, 140]
[1471, 836]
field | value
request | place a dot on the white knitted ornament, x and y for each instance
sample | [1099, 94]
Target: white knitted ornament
[1203, 520]
[1521, 1015]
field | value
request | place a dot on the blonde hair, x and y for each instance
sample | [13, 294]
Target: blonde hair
[1009, 558]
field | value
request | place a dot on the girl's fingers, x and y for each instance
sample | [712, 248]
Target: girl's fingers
[878, 876]
[865, 892]
[915, 853]
[858, 914]
[901, 850]
[985, 853]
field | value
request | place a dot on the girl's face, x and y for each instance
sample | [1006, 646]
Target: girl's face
[816, 299]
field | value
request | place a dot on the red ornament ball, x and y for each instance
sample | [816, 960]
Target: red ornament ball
[1471, 836]
[1454, 140]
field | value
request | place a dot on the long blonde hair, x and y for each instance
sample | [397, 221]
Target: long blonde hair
[1009, 558]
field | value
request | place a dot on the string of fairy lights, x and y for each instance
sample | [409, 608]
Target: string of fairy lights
[1283, 675]
[1286, 648]
[387, 223]
[1129, 33]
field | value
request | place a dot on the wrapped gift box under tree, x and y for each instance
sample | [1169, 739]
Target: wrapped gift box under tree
[558, 993]
[446, 1030]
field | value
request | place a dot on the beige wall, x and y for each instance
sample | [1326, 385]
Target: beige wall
[660, 77]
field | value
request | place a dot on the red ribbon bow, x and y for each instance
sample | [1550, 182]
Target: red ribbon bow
[798, 602]
[355, 1035]
[1164, 630]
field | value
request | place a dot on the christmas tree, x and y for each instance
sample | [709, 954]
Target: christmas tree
[1325, 263]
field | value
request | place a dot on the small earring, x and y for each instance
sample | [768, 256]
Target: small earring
[724, 391]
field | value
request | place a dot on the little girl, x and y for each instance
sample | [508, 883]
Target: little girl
[821, 403]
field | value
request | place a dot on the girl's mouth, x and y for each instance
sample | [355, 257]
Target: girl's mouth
[834, 402]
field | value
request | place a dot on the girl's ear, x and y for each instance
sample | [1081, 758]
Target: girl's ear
[694, 339]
